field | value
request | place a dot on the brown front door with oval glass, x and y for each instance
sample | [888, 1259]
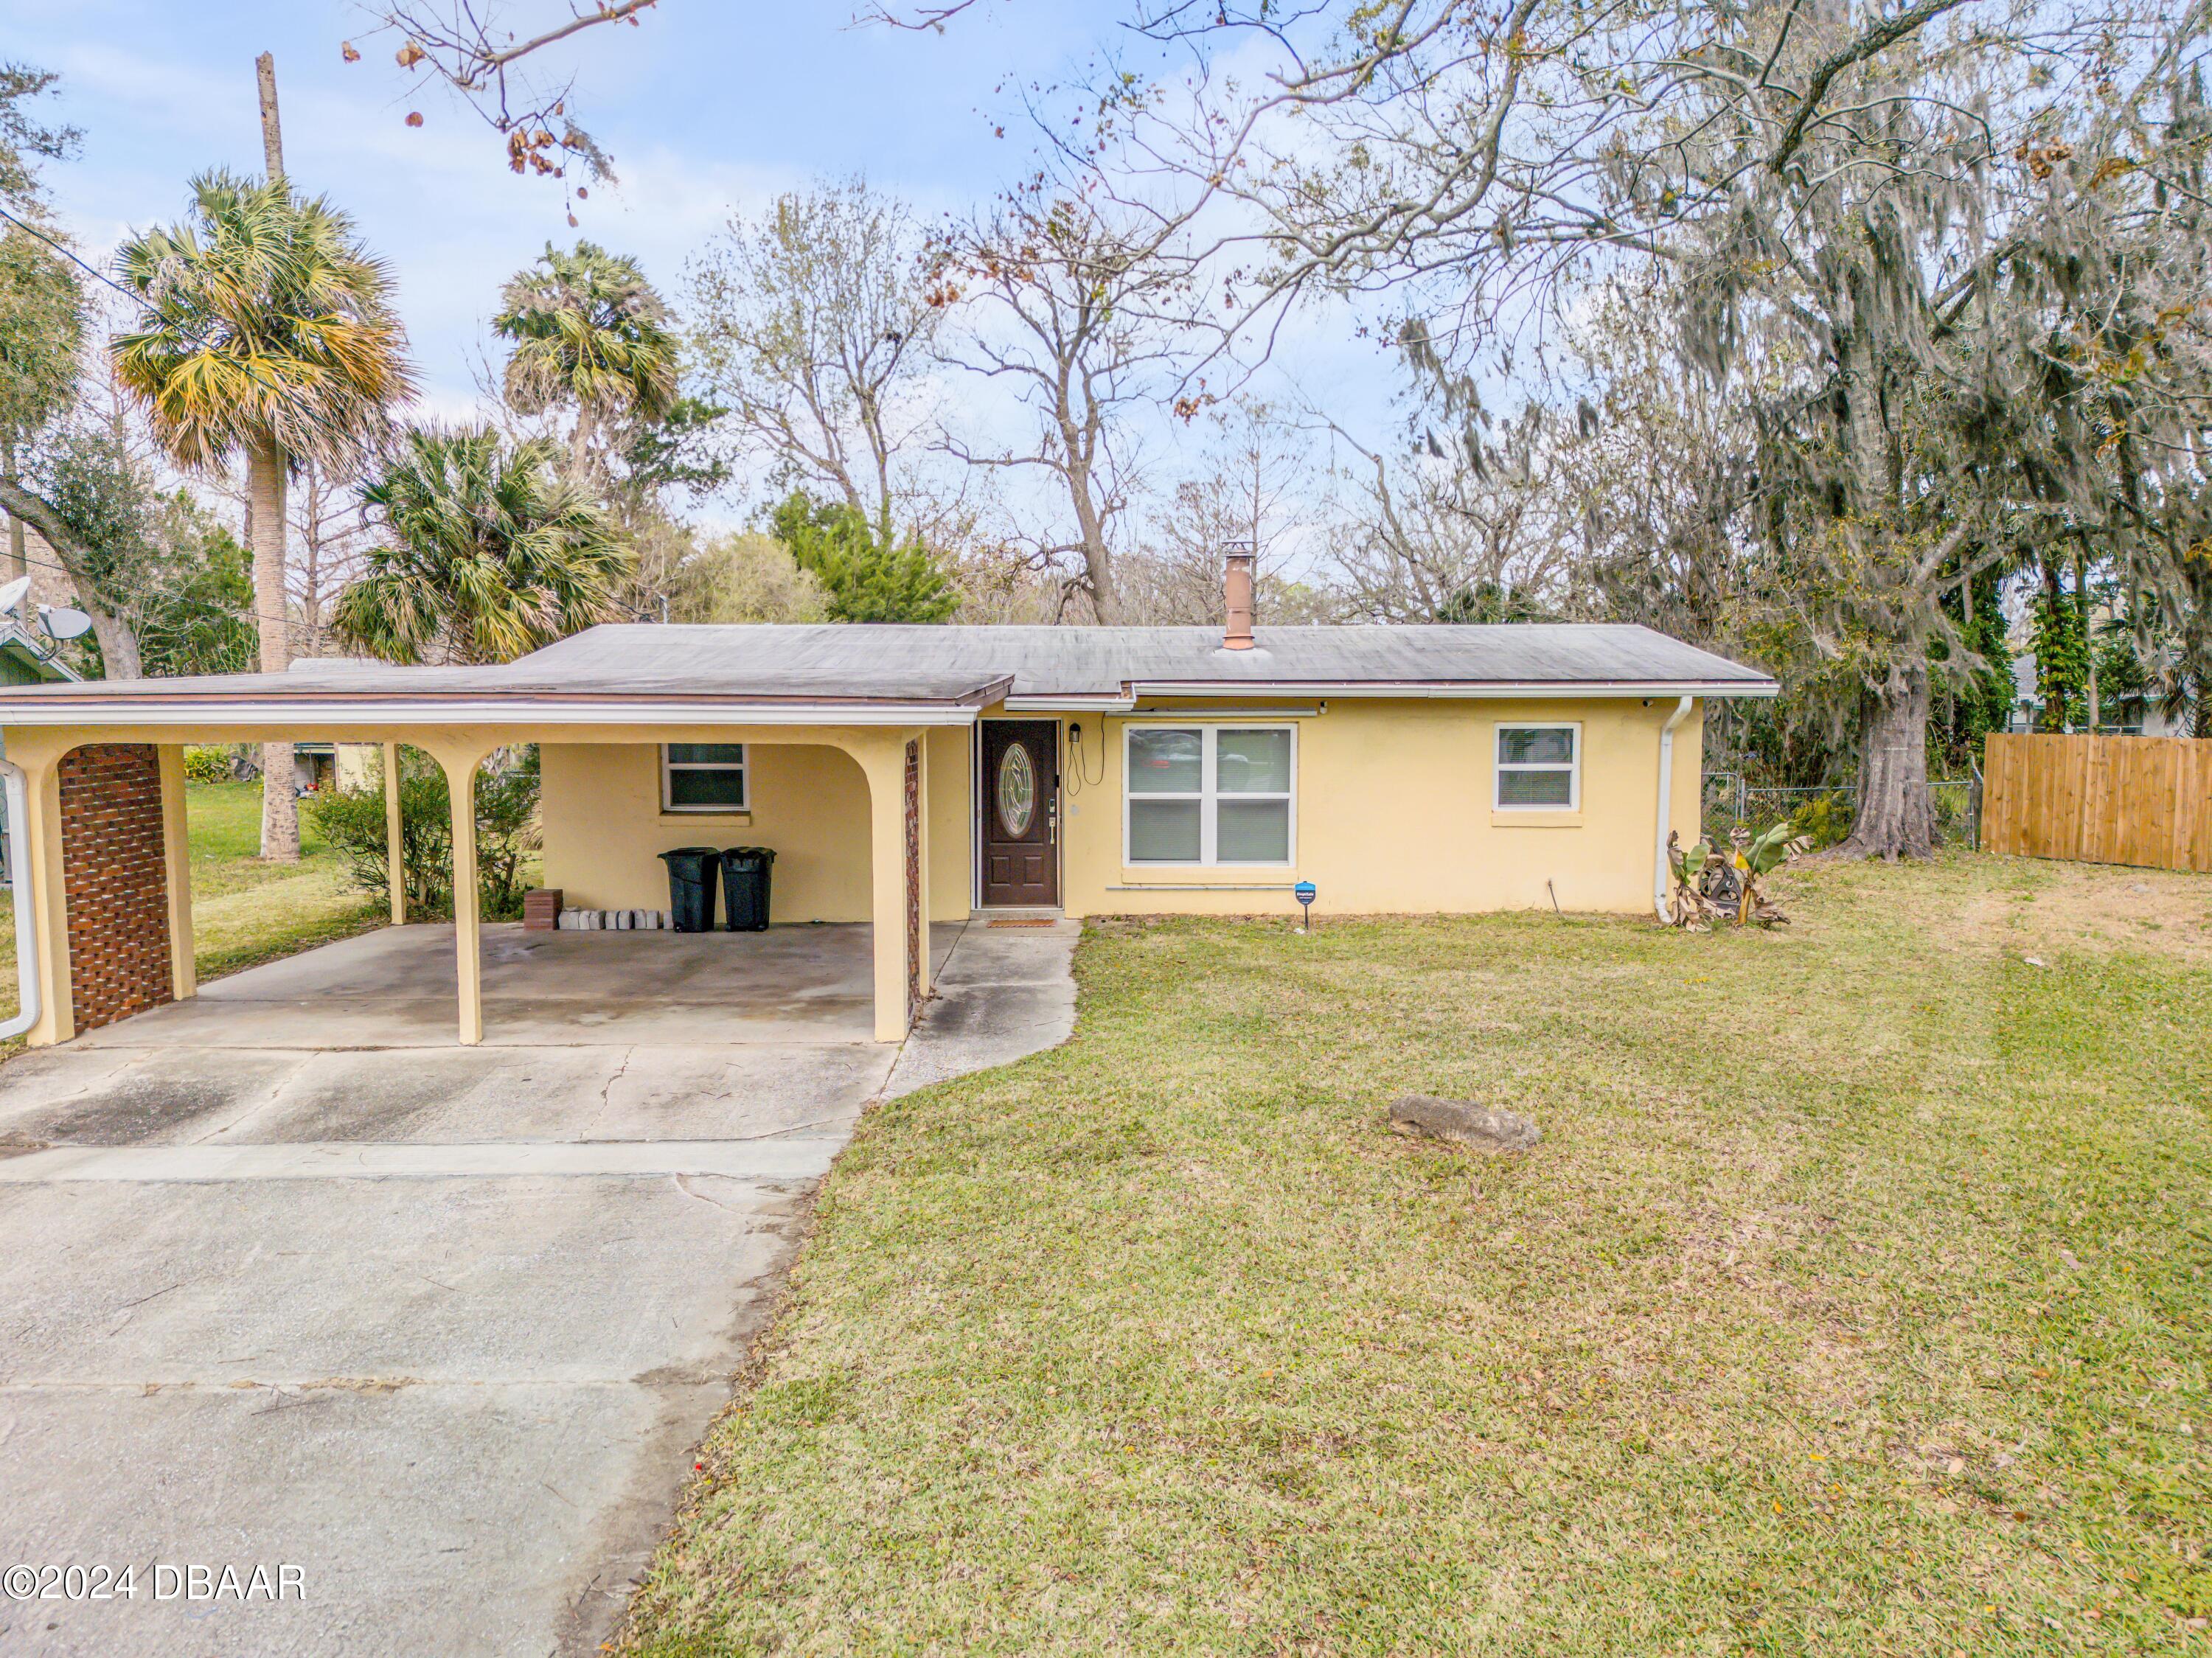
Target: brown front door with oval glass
[1018, 813]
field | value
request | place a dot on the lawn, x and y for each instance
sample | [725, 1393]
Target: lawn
[245, 911]
[1854, 1302]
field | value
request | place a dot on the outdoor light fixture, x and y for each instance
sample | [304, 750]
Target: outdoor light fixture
[59, 623]
[1305, 892]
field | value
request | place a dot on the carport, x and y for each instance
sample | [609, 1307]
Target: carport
[96, 779]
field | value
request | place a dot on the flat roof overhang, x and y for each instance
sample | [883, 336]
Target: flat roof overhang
[84, 706]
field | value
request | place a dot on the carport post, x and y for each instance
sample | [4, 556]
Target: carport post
[39, 753]
[882, 756]
[460, 768]
[177, 855]
[394, 842]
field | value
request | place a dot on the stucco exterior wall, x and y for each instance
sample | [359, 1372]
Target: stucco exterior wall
[1393, 804]
[605, 830]
[1393, 815]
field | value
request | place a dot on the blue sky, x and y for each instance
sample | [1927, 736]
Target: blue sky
[706, 108]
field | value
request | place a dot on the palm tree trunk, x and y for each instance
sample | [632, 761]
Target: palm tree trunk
[264, 485]
[581, 460]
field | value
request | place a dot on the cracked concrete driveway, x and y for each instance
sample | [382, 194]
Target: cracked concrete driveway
[438, 1326]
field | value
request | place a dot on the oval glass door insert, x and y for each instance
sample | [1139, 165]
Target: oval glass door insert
[1016, 791]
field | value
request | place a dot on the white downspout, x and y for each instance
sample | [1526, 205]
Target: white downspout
[19, 882]
[1659, 871]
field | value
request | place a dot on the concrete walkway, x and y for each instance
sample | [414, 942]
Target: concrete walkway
[437, 1327]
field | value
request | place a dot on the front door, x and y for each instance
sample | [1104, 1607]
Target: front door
[1018, 813]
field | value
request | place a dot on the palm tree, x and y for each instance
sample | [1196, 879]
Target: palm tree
[495, 552]
[264, 328]
[590, 333]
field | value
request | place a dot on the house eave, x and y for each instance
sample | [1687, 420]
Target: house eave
[311, 712]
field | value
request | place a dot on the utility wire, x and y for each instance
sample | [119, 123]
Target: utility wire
[63, 569]
[93, 271]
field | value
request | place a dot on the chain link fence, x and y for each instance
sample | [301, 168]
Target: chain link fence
[1826, 813]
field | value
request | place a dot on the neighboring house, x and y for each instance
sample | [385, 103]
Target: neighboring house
[2133, 715]
[322, 765]
[906, 775]
[22, 664]
[331, 765]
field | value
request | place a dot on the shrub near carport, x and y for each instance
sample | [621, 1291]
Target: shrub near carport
[353, 820]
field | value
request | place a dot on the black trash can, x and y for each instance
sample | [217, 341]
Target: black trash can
[691, 887]
[745, 872]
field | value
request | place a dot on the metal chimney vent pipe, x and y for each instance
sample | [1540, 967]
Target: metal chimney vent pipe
[1236, 588]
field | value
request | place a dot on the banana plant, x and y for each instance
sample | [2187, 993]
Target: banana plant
[1753, 859]
[1690, 907]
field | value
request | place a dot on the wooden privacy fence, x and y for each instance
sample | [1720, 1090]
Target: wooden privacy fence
[2142, 800]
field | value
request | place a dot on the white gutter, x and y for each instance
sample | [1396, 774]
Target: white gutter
[1070, 704]
[322, 712]
[1659, 870]
[1523, 689]
[19, 880]
[1220, 711]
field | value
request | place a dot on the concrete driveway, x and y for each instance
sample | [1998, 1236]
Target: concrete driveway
[434, 1328]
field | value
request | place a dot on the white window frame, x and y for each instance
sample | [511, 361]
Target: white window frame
[1498, 767]
[743, 766]
[1209, 794]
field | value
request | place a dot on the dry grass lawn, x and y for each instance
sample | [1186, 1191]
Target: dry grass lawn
[1855, 1302]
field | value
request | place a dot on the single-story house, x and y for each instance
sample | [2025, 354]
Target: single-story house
[2132, 713]
[25, 661]
[909, 774]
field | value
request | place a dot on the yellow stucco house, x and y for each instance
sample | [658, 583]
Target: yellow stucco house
[907, 774]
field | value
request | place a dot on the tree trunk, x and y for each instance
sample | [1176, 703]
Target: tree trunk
[119, 644]
[2089, 644]
[118, 639]
[1098, 559]
[264, 484]
[2052, 715]
[581, 439]
[1896, 818]
[19, 562]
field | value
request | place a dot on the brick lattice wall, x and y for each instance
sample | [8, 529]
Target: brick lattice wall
[914, 938]
[115, 881]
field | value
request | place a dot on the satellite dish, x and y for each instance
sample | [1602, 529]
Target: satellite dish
[12, 595]
[59, 621]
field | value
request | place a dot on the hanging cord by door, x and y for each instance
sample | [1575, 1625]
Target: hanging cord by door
[1078, 782]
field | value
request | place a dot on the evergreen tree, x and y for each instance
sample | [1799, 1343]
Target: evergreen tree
[1980, 700]
[2062, 655]
[864, 579]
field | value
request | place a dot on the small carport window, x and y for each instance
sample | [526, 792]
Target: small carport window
[1539, 767]
[703, 777]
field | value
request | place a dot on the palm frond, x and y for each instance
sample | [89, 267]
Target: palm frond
[263, 321]
[494, 552]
